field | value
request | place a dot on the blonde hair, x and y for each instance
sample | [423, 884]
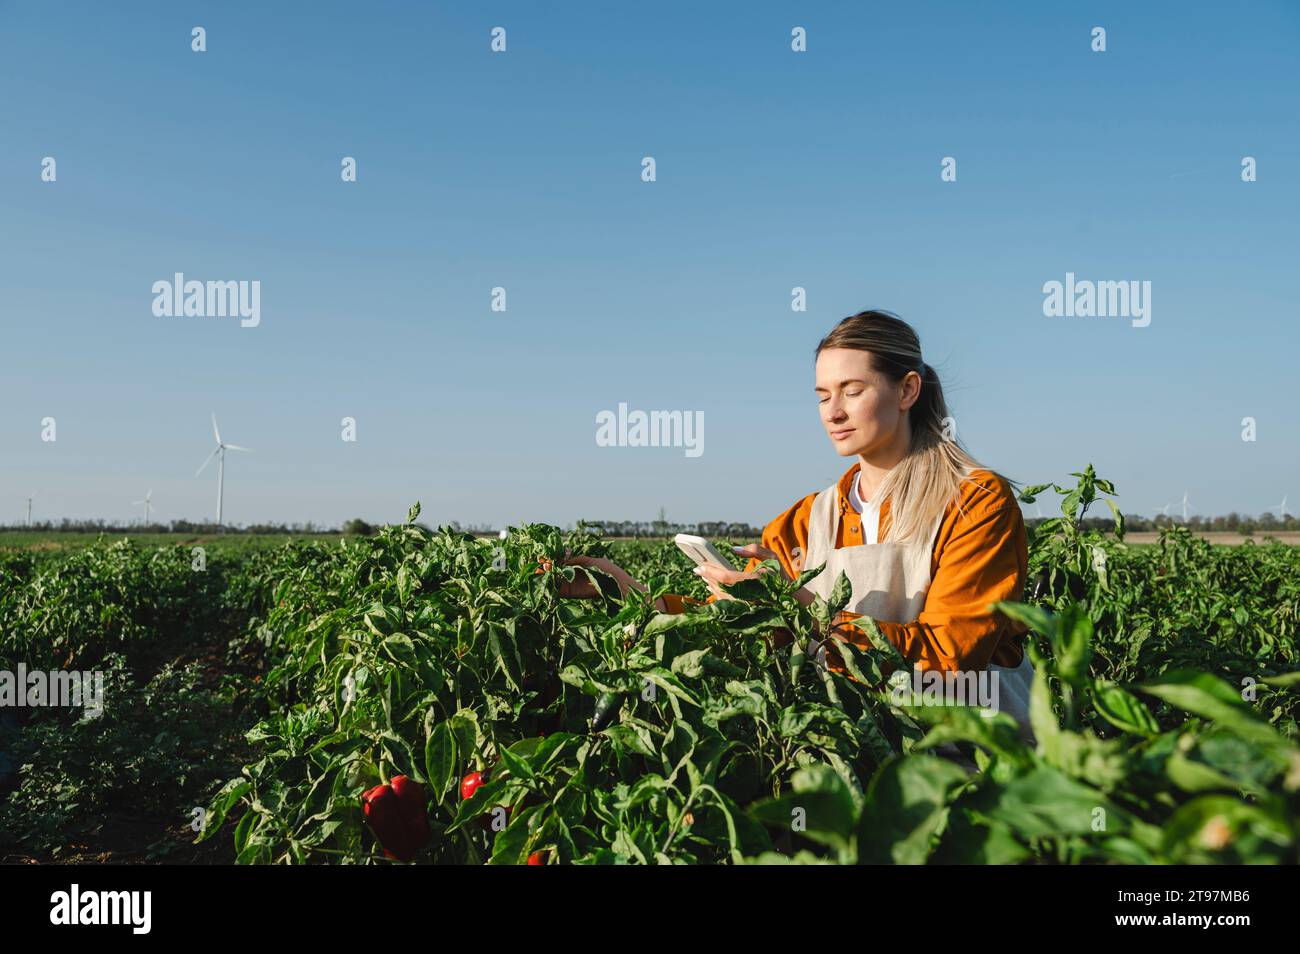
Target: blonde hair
[936, 465]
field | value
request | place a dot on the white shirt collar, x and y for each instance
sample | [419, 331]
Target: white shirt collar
[869, 509]
[855, 494]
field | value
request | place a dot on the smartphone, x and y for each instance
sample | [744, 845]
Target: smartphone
[701, 551]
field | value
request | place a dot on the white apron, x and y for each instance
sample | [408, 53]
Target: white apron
[890, 582]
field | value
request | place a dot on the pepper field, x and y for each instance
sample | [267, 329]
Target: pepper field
[251, 703]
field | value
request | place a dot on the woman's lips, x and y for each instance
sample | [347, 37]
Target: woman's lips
[840, 435]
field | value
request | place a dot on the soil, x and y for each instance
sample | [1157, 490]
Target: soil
[132, 840]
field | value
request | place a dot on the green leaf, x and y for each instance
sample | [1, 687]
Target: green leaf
[225, 800]
[968, 842]
[502, 646]
[1029, 493]
[995, 731]
[690, 665]
[1285, 681]
[795, 720]
[440, 757]
[669, 683]
[878, 640]
[749, 590]
[1204, 695]
[405, 582]
[1042, 717]
[841, 593]
[1073, 646]
[819, 807]
[1045, 803]
[821, 612]
[399, 753]
[1119, 518]
[1123, 710]
[906, 806]
[516, 762]
[667, 622]
[627, 738]
[1193, 776]
[381, 620]
[463, 725]
[742, 619]
[399, 648]
[1036, 618]
[808, 575]
[858, 664]
[797, 659]
[520, 837]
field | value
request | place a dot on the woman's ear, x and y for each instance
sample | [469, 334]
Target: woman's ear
[911, 390]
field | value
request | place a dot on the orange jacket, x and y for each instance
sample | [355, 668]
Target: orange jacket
[980, 556]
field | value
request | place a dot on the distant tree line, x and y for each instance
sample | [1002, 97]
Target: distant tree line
[358, 527]
[663, 528]
[1229, 523]
[188, 527]
[1224, 523]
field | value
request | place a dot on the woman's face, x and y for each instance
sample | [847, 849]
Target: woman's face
[862, 410]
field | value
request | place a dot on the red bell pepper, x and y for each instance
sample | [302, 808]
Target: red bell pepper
[398, 815]
[470, 783]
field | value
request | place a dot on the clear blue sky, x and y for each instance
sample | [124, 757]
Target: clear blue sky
[522, 170]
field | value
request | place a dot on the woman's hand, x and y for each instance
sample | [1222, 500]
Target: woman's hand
[716, 576]
[755, 552]
[582, 588]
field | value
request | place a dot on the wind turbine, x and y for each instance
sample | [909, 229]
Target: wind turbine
[1164, 511]
[148, 502]
[1185, 506]
[29, 509]
[219, 452]
[1281, 509]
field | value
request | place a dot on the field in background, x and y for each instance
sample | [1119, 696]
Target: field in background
[46, 540]
[1289, 537]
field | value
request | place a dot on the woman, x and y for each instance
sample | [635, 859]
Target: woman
[928, 538]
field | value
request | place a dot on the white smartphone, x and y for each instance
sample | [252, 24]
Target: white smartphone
[701, 550]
